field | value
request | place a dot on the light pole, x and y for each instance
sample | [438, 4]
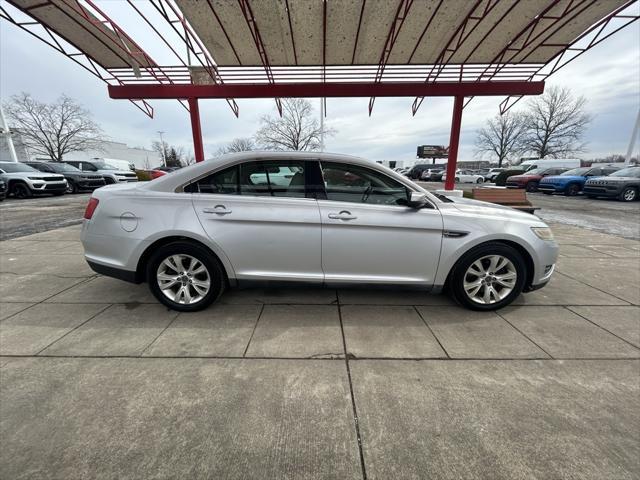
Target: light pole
[7, 134]
[162, 152]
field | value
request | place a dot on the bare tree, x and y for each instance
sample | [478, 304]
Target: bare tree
[556, 123]
[243, 144]
[501, 137]
[54, 129]
[171, 156]
[297, 129]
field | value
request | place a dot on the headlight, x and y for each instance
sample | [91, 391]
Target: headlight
[35, 178]
[543, 233]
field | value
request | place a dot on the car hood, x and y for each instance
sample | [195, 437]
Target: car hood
[563, 178]
[523, 177]
[117, 172]
[32, 175]
[476, 207]
[612, 179]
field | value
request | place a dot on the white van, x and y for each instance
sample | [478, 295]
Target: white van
[550, 162]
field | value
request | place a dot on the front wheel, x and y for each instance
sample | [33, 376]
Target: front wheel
[532, 187]
[185, 276]
[21, 190]
[71, 187]
[572, 190]
[629, 194]
[480, 180]
[488, 277]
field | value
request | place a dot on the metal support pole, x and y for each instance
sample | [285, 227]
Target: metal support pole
[7, 134]
[194, 112]
[322, 124]
[454, 140]
[632, 142]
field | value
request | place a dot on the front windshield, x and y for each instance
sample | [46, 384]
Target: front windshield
[63, 167]
[14, 167]
[105, 166]
[577, 171]
[536, 171]
[627, 172]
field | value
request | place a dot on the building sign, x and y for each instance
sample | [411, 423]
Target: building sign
[433, 151]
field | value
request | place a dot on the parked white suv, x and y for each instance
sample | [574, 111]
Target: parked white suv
[338, 220]
[24, 181]
[110, 173]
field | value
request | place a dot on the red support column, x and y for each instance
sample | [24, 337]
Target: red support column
[194, 112]
[454, 140]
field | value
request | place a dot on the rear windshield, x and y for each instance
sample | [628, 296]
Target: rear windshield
[627, 172]
[14, 167]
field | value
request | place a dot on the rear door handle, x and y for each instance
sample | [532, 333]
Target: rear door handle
[343, 215]
[218, 210]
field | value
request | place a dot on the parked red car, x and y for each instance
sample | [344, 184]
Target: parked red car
[156, 173]
[529, 180]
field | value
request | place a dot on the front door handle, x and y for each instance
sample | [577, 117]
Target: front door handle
[343, 215]
[218, 210]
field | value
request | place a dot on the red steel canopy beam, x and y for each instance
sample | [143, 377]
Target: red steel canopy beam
[315, 90]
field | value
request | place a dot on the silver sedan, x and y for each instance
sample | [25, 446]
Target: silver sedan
[311, 218]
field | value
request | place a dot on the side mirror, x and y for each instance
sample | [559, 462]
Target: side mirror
[417, 200]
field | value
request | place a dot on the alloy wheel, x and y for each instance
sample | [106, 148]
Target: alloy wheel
[629, 195]
[490, 279]
[183, 279]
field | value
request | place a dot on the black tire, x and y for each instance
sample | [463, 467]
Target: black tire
[532, 186]
[480, 180]
[457, 275]
[20, 190]
[629, 194]
[457, 180]
[71, 187]
[217, 276]
[572, 190]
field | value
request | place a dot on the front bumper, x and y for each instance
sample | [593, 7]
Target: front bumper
[550, 187]
[602, 190]
[47, 187]
[90, 184]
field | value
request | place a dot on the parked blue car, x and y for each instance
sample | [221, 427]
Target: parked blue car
[571, 182]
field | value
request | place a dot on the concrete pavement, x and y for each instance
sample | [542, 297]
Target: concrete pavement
[99, 381]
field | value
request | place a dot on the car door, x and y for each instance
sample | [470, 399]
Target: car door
[269, 228]
[370, 235]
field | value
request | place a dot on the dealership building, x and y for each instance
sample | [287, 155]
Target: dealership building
[142, 158]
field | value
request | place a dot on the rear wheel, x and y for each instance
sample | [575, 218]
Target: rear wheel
[185, 276]
[20, 190]
[629, 194]
[572, 190]
[532, 187]
[480, 180]
[488, 277]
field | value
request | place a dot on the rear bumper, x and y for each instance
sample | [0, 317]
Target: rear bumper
[119, 273]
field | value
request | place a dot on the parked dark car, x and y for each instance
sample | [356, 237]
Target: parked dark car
[531, 178]
[3, 189]
[76, 179]
[416, 171]
[501, 179]
[571, 182]
[623, 185]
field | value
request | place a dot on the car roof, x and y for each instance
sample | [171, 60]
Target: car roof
[169, 183]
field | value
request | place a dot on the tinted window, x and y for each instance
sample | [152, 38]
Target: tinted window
[352, 183]
[273, 178]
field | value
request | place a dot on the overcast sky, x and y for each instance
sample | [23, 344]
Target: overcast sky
[608, 76]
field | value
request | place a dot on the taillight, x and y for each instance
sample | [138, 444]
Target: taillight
[91, 207]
